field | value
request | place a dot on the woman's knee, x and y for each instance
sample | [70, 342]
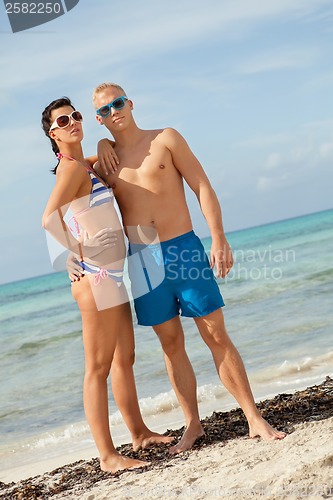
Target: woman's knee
[98, 370]
[123, 358]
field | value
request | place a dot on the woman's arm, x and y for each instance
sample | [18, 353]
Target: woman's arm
[70, 181]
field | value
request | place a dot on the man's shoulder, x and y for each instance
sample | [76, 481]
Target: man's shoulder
[165, 135]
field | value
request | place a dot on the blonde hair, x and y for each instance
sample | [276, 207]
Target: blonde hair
[104, 86]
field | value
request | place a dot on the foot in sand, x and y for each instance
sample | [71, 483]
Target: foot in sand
[261, 428]
[192, 433]
[149, 438]
[119, 462]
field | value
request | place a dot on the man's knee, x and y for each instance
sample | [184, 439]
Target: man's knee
[171, 342]
[215, 335]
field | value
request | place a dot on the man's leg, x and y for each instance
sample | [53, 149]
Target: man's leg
[230, 368]
[182, 378]
[123, 385]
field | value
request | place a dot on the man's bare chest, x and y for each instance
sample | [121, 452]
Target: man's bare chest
[149, 170]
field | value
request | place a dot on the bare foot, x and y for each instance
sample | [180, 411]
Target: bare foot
[117, 462]
[191, 434]
[145, 440]
[262, 428]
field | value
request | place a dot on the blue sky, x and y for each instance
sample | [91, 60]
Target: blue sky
[247, 82]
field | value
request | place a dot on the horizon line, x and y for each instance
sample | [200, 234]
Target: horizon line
[202, 238]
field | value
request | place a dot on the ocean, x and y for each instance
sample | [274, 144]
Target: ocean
[278, 313]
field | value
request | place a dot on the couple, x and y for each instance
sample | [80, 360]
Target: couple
[144, 170]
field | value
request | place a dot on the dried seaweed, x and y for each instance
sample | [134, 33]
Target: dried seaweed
[282, 412]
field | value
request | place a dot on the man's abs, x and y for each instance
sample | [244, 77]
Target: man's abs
[156, 222]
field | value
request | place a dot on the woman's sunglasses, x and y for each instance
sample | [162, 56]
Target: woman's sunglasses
[64, 120]
[118, 103]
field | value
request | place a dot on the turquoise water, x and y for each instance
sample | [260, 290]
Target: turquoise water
[278, 312]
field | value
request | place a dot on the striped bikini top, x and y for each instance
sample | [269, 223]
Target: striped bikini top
[99, 193]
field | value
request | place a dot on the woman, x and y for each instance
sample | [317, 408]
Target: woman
[101, 296]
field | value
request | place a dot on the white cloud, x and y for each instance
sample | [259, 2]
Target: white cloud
[281, 59]
[264, 140]
[46, 57]
[265, 184]
[326, 151]
[304, 158]
[21, 154]
[273, 161]
[163, 53]
[323, 79]
[319, 124]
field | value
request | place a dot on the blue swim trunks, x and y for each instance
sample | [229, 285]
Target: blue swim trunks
[170, 278]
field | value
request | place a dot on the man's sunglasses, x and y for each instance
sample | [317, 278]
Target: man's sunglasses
[64, 120]
[118, 103]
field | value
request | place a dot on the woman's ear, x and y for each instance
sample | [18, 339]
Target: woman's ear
[54, 136]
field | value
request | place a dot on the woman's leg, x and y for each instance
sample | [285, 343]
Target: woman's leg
[100, 330]
[123, 384]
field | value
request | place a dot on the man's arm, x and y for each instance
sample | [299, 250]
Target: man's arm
[107, 157]
[108, 160]
[193, 173]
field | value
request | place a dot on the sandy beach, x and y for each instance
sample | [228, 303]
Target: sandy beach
[224, 464]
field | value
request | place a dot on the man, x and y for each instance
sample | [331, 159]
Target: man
[148, 186]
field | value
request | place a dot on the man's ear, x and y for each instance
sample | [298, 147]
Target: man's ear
[99, 119]
[131, 104]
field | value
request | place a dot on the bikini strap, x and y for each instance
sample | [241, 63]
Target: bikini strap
[87, 167]
[61, 155]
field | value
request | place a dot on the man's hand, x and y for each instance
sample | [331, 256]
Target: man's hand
[221, 257]
[107, 157]
[74, 269]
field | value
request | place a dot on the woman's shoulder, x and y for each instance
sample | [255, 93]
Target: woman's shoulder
[68, 168]
[72, 173]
